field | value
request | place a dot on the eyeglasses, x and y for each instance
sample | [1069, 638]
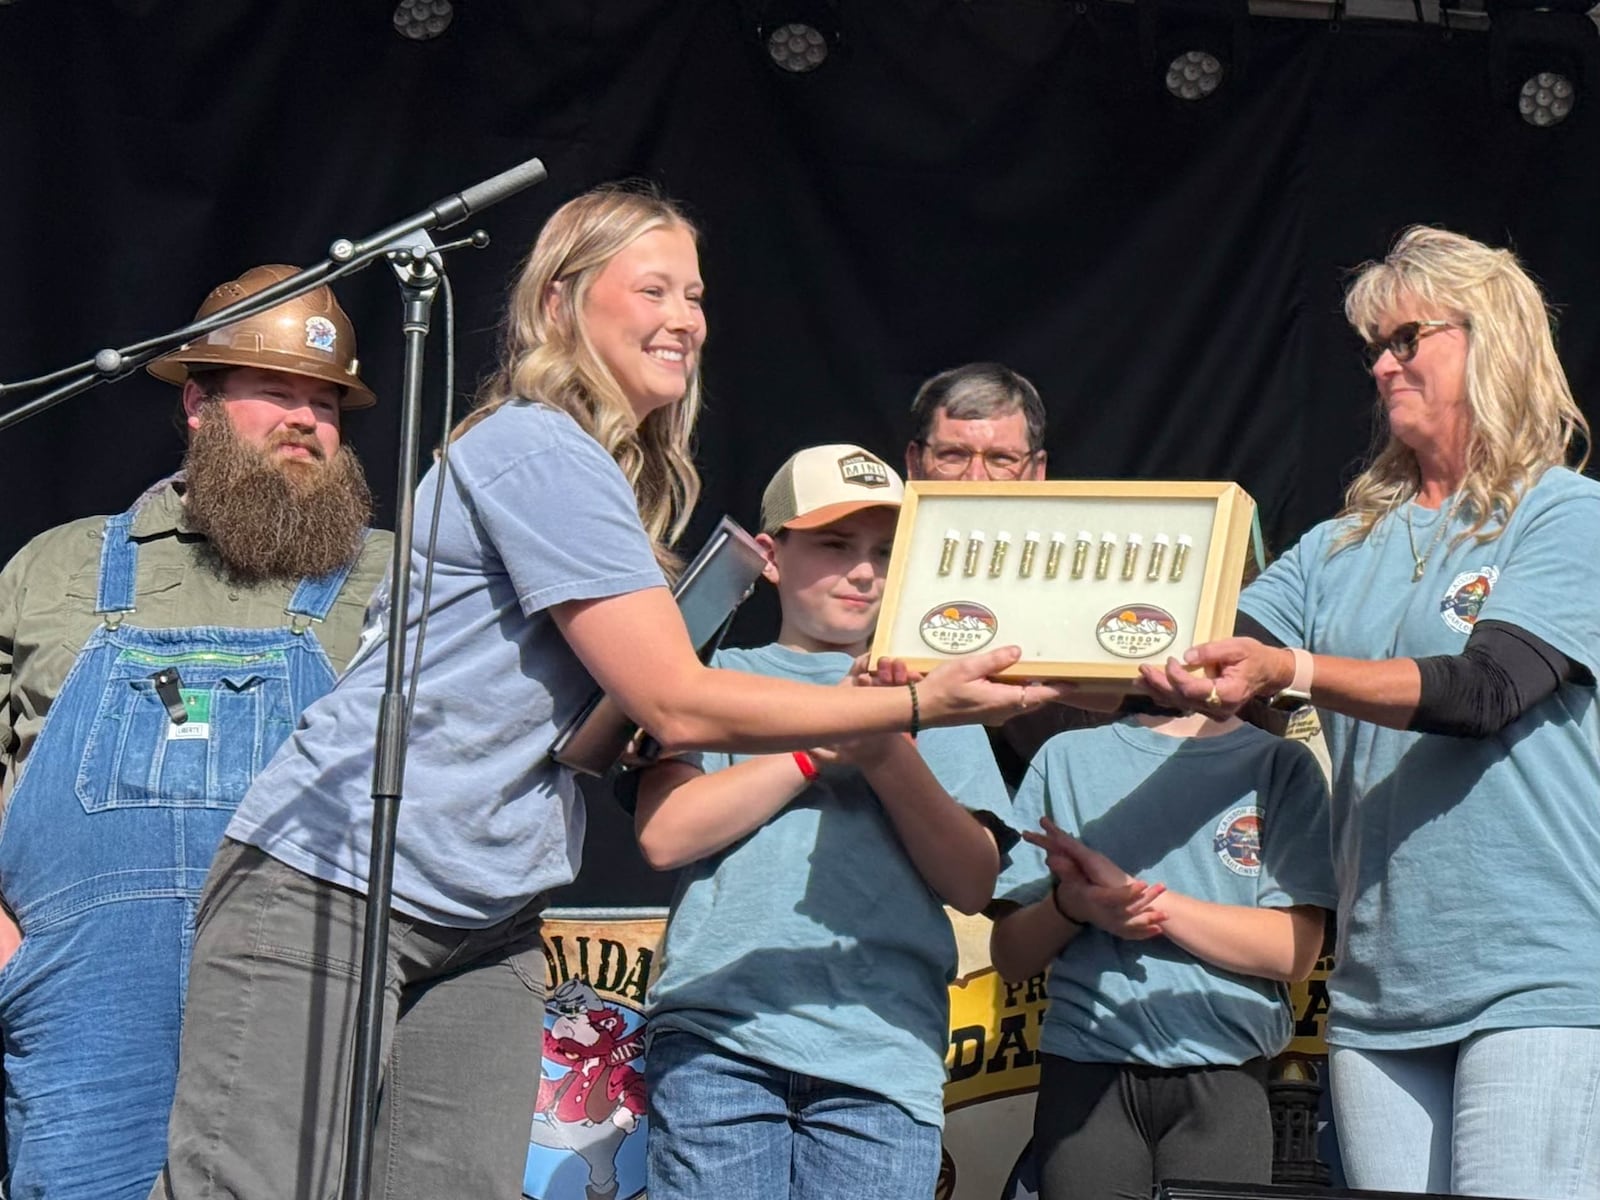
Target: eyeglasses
[1403, 340]
[951, 462]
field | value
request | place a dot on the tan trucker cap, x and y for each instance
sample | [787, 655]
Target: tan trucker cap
[821, 484]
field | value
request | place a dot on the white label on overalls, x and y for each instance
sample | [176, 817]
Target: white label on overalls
[197, 701]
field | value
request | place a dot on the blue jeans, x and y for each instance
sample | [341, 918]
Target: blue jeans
[722, 1125]
[1507, 1112]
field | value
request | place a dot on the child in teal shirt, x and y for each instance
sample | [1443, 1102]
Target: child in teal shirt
[800, 1021]
[1167, 985]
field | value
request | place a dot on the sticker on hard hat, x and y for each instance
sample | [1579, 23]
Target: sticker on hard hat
[320, 334]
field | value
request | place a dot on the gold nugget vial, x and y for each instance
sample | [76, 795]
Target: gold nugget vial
[1180, 556]
[1080, 553]
[1130, 556]
[1030, 546]
[947, 556]
[1102, 560]
[997, 558]
[1052, 562]
[974, 551]
[1158, 556]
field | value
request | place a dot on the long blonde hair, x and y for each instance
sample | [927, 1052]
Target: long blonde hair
[1523, 417]
[547, 357]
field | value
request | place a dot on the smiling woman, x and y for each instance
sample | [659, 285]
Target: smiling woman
[643, 318]
[567, 487]
[1446, 624]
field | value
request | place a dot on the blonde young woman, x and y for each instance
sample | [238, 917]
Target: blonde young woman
[1447, 624]
[565, 488]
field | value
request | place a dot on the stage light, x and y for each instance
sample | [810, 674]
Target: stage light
[1194, 75]
[422, 19]
[1542, 59]
[798, 36]
[1197, 48]
[797, 47]
[1546, 99]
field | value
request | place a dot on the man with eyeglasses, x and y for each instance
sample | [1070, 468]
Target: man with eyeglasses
[974, 423]
[980, 421]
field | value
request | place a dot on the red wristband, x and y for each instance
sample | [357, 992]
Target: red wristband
[807, 766]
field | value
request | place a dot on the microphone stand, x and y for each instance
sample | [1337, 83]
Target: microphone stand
[418, 268]
[419, 284]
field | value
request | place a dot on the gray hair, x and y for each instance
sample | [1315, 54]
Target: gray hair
[976, 392]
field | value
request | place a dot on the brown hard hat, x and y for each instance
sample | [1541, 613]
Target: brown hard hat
[309, 335]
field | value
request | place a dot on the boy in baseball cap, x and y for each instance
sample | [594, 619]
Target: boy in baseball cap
[807, 953]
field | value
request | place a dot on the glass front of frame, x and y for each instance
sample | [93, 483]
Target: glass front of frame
[1091, 580]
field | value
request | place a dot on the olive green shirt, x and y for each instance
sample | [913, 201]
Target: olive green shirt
[47, 600]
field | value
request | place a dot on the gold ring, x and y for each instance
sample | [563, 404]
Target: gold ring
[1212, 699]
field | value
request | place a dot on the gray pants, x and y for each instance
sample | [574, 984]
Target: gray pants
[1109, 1131]
[263, 1082]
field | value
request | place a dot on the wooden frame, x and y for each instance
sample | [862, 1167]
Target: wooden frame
[1078, 621]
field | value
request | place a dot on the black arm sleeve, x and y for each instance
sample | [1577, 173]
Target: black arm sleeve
[1245, 625]
[1501, 673]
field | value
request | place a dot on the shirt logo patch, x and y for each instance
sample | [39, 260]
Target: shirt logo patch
[864, 471]
[1464, 598]
[1237, 840]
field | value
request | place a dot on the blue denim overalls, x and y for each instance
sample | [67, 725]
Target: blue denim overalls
[103, 849]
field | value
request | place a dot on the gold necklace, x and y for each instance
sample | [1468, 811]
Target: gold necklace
[1422, 559]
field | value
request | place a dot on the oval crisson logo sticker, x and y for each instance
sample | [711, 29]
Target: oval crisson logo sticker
[1137, 631]
[959, 627]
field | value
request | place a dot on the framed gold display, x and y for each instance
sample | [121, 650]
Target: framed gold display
[1090, 578]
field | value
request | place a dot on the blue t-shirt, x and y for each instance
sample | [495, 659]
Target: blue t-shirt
[813, 944]
[534, 513]
[1237, 818]
[1469, 868]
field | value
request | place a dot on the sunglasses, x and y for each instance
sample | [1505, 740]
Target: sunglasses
[1402, 341]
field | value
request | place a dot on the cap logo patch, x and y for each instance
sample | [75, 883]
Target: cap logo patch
[320, 334]
[863, 470]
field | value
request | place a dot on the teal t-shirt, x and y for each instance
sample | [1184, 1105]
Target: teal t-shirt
[813, 945]
[1238, 818]
[1468, 868]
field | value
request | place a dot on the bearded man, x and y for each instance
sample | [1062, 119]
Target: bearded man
[150, 664]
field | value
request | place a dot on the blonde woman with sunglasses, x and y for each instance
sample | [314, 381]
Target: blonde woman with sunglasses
[1447, 623]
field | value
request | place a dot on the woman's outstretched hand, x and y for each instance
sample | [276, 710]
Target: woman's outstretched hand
[1231, 672]
[961, 692]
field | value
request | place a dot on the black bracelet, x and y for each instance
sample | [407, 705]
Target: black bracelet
[916, 711]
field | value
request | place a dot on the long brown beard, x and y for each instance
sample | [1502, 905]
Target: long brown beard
[269, 517]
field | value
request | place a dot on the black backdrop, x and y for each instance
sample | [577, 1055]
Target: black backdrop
[962, 180]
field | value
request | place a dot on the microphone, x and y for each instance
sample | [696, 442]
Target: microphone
[451, 210]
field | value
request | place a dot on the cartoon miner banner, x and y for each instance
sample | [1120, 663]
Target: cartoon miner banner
[589, 1127]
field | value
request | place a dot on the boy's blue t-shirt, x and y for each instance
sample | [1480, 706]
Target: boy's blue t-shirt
[487, 820]
[1237, 818]
[1469, 868]
[813, 945]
